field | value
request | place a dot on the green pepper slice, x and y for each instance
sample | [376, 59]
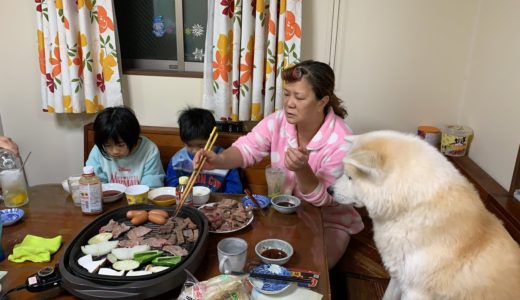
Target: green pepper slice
[146, 256]
[166, 261]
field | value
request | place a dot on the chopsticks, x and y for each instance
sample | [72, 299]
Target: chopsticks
[250, 195]
[191, 181]
[280, 277]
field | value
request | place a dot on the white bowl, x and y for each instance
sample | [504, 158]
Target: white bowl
[120, 188]
[273, 245]
[167, 190]
[200, 195]
[290, 202]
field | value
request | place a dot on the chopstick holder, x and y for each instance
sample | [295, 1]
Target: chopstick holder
[191, 181]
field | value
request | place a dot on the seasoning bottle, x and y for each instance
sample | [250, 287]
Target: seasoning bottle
[90, 192]
[181, 188]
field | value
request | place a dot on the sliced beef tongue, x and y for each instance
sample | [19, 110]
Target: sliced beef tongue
[155, 242]
[189, 223]
[175, 250]
[138, 232]
[130, 243]
[115, 228]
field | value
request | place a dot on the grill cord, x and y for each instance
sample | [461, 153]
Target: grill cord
[20, 287]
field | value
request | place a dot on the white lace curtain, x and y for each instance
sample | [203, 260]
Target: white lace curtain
[78, 56]
[251, 41]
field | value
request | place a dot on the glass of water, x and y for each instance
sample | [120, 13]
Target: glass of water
[14, 188]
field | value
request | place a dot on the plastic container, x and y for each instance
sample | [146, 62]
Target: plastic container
[183, 182]
[91, 194]
[455, 140]
[430, 134]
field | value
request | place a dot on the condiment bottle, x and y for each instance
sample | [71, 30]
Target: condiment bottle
[90, 191]
[181, 188]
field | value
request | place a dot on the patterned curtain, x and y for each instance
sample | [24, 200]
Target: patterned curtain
[252, 41]
[78, 56]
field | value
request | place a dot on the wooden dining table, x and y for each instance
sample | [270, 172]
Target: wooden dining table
[51, 212]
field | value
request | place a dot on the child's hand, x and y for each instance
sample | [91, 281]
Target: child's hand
[211, 158]
[296, 159]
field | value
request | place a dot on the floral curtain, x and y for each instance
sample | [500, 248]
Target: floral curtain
[252, 41]
[78, 56]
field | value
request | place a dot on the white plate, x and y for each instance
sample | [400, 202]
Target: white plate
[114, 187]
[269, 286]
[232, 230]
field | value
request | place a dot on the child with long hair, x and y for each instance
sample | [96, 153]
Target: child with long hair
[121, 154]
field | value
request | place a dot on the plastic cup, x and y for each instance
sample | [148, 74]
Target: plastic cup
[275, 178]
[137, 194]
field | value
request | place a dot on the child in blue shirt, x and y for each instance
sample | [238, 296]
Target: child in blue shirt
[121, 154]
[195, 125]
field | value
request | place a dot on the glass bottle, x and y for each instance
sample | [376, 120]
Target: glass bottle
[179, 190]
[90, 192]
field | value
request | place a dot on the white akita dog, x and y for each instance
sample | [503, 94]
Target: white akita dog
[434, 235]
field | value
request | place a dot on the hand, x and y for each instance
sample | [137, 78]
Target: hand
[8, 144]
[296, 159]
[211, 159]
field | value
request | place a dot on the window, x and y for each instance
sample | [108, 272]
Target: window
[152, 33]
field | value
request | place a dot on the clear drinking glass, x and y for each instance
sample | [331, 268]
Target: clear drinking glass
[14, 188]
[275, 178]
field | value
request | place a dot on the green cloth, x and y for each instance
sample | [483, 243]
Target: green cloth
[35, 248]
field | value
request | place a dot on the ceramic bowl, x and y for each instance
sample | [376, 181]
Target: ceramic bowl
[65, 185]
[274, 251]
[137, 194]
[270, 286]
[200, 195]
[10, 216]
[285, 204]
[112, 191]
[163, 196]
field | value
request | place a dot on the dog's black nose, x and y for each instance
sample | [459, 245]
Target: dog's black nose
[330, 190]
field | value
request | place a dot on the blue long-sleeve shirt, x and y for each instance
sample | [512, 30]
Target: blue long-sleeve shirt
[143, 166]
[224, 181]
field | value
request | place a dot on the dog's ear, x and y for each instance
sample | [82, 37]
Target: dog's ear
[365, 163]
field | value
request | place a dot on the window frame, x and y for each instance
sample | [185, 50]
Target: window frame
[172, 68]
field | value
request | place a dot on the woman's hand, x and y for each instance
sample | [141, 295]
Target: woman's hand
[8, 144]
[211, 159]
[297, 159]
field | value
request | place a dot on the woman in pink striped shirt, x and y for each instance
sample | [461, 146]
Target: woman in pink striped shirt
[306, 139]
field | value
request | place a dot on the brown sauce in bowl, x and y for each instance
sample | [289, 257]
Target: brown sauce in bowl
[285, 204]
[164, 197]
[274, 253]
[110, 193]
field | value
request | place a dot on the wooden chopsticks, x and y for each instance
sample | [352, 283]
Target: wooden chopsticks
[253, 199]
[191, 181]
[281, 278]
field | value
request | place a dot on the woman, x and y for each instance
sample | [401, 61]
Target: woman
[306, 139]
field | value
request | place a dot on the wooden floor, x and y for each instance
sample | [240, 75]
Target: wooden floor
[360, 274]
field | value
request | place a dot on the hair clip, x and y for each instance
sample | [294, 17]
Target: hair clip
[297, 72]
